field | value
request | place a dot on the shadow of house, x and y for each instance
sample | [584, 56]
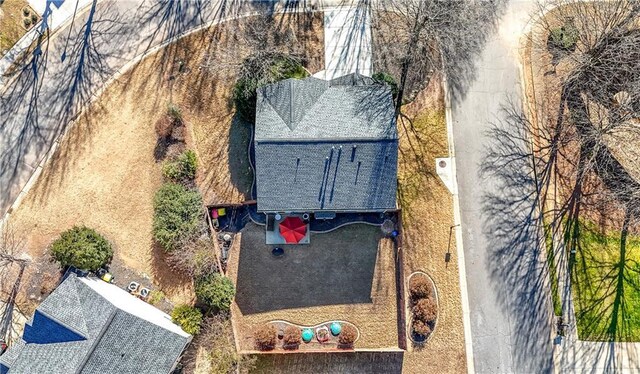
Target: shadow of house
[240, 155]
[335, 268]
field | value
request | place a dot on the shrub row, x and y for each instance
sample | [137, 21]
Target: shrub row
[177, 215]
[425, 309]
[265, 337]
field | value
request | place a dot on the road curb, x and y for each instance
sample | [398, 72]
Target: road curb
[464, 297]
[31, 181]
[16, 53]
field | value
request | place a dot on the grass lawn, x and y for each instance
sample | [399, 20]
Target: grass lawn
[11, 23]
[606, 286]
[553, 271]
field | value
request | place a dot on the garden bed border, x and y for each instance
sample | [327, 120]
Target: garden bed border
[408, 309]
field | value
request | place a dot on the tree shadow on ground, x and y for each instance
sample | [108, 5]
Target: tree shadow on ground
[414, 40]
[27, 135]
[513, 227]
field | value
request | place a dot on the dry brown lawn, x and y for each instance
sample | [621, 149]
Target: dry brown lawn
[347, 274]
[104, 174]
[11, 23]
[427, 217]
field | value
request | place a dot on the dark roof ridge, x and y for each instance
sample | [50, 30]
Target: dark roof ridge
[324, 140]
[97, 339]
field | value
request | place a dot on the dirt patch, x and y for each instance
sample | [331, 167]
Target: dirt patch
[104, 174]
[347, 275]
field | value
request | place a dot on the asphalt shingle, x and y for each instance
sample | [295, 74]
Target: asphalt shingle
[326, 145]
[116, 341]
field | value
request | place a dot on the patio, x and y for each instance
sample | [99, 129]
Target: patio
[347, 274]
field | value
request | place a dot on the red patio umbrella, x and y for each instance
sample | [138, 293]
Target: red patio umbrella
[293, 229]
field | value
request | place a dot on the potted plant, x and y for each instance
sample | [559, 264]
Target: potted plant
[322, 334]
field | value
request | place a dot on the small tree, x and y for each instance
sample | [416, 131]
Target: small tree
[292, 337]
[188, 318]
[182, 168]
[265, 337]
[425, 310]
[177, 215]
[347, 336]
[83, 248]
[419, 287]
[421, 328]
[216, 291]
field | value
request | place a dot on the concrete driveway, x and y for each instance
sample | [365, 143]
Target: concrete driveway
[347, 41]
[510, 310]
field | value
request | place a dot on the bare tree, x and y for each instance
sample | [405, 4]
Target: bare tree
[413, 39]
[590, 121]
[11, 257]
[195, 258]
[569, 166]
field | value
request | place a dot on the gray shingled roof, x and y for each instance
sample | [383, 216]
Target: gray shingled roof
[312, 109]
[326, 145]
[116, 341]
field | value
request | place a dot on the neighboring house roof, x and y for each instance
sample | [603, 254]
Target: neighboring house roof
[89, 326]
[326, 145]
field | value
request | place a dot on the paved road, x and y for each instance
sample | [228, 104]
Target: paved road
[509, 302]
[68, 69]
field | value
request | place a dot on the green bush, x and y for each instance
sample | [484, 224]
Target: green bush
[385, 78]
[83, 248]
[177, 214]
[155, 297]
[187, 317]
[565, 37]
[182, 169]
[258, 71]
[174, 112]
[216, 291]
